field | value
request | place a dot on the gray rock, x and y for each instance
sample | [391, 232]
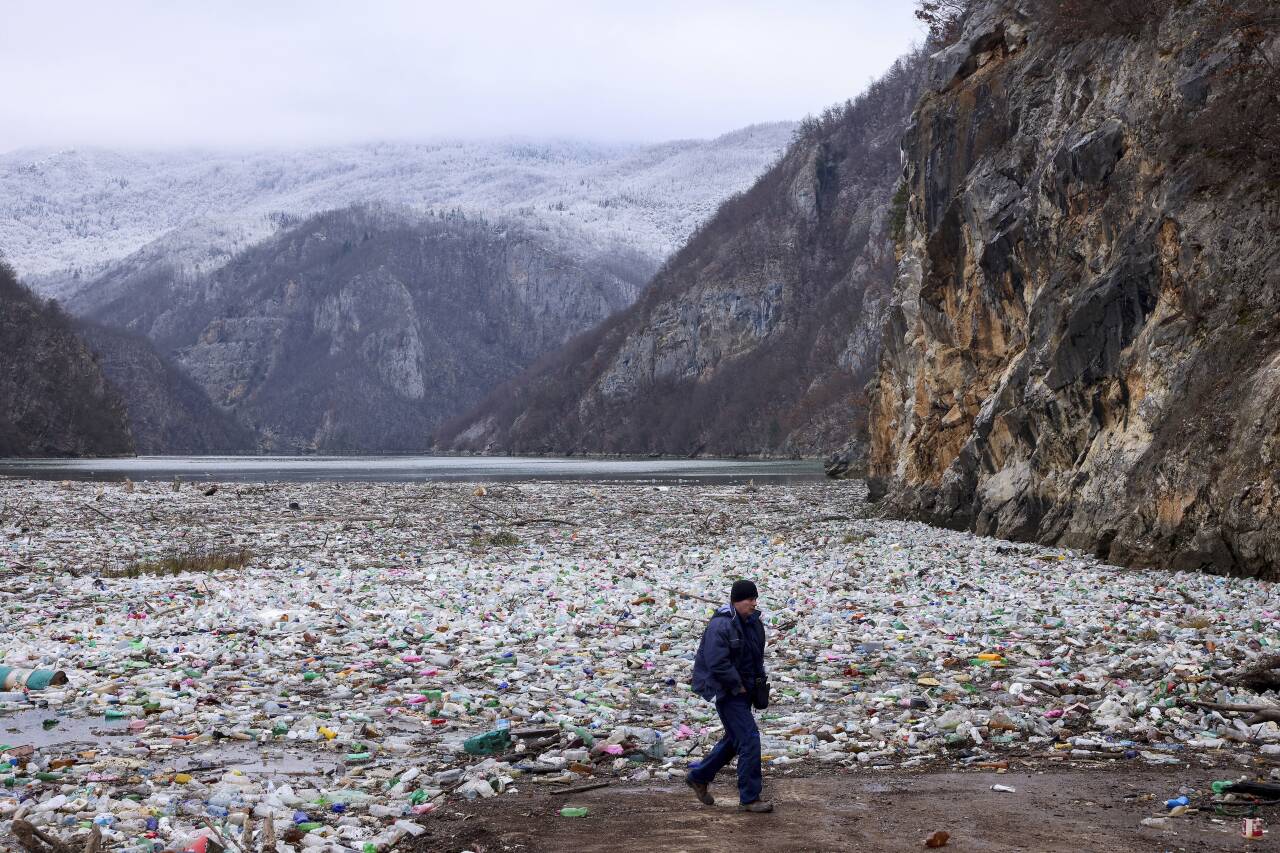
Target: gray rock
[1104, 374]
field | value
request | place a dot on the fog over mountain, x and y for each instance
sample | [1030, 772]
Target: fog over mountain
[65, 216]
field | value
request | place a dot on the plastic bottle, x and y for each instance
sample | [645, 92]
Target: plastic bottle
[488, 743]
[573, 811]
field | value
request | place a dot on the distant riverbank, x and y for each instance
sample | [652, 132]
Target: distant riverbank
[409, 469]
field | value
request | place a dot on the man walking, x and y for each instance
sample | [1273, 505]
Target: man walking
[728, 667]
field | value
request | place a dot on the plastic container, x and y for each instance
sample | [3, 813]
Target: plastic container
[489, 743]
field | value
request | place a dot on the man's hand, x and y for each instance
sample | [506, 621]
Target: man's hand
[740, 691]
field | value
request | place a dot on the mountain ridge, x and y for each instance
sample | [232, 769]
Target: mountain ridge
[67, 216]
[361, 329]
[57, 400]
[757, 335]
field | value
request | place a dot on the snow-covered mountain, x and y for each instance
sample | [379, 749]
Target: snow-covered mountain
[65, 216]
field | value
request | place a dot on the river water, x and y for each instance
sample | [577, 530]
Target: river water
[410, 469]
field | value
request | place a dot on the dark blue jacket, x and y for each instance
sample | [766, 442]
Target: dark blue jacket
[731, 655]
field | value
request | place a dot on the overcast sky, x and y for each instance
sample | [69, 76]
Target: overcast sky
[263, 73]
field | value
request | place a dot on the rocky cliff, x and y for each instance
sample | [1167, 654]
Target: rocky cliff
[167, 412]
[56, 401]
[757, 336]
[361, 329]
[1084, 346]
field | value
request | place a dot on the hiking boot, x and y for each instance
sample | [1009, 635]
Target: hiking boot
[700, 791]
[758, 806]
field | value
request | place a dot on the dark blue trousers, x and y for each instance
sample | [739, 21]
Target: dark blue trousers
[741, 738]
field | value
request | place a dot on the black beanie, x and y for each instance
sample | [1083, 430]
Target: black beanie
[743, 590]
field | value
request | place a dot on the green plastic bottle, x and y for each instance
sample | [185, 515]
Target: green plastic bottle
[573, 811]
[488, 743]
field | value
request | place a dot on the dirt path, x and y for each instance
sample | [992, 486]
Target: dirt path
[1057, 810]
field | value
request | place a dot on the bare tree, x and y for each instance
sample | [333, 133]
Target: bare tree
[944, 18]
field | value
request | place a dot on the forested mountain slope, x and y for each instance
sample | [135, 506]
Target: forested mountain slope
[758, 335]
[167, 412]
[362, 329]
[56, 401]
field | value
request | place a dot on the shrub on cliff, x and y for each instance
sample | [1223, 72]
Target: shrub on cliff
[944, 20]
[1240, 124]
[1078, 19]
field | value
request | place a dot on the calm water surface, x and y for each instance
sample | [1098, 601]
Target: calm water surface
[409, 468]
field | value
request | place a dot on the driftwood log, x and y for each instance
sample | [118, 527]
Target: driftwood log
[578, 789]
[1261, 676]
[1261, 713]
[36, 840]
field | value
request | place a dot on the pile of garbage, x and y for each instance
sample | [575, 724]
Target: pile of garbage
[377, 650]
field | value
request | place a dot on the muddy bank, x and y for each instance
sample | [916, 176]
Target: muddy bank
[1055, 808]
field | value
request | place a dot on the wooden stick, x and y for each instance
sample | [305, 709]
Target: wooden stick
[578, 789]
[1235, 709]
[31, 839]
[1261, 674]
[268, 835]
[225, 841]
[98, 511]
[488, 511]
[95, 840]
[674, 591]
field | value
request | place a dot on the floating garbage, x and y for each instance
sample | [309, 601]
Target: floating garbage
[388, 650]
[30, 679]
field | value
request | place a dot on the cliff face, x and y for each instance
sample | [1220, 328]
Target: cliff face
[362, 329]
[56, 401]
[1084, 346]
[758, 336]
[168, 413]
